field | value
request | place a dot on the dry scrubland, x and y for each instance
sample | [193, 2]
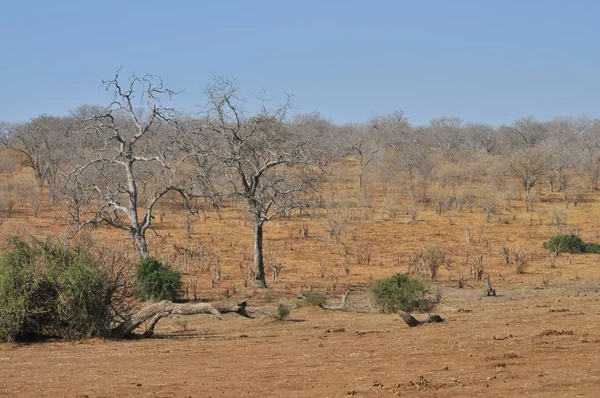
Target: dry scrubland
[537, 337]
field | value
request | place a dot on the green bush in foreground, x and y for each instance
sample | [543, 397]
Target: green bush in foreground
[401, 292]
[156, 281]
[50, 289]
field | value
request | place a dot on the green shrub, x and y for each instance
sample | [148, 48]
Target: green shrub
[565, 243]
[311, 299]
[282, 312]
[591, 247]
[156, 281]
[50, 289]
[401, 292]
[16, 284]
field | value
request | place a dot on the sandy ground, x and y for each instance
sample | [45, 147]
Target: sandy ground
[525, 342]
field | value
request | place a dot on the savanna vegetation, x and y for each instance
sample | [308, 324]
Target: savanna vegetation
[228, 202]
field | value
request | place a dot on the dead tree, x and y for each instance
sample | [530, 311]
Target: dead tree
[156, 311]
[134, 158]
[363, 143]
[529, 165]
[45, 145]
[262, 161]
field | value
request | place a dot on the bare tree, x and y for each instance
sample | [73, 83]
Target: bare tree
[562, 146]
[589, 162]
[527, 132]
[447, 135]
[7, 163]
[483, 137]
[137, 162]
[6, 130]
[44, 146]
[264, 162]
[410, 153]
[363, 143]
[528, 165]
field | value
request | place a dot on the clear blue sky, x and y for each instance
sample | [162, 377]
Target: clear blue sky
[483, 61]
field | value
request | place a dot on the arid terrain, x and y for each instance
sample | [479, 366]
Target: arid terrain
[299, 199]
[538, 337]
[522, 343]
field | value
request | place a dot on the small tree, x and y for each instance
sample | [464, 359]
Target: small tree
[156, 281]
[400, 292]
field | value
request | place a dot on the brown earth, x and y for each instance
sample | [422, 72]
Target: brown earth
[538, 337]
[524, 342]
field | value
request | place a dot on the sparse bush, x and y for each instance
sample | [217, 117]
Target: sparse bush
[363, 254]
[565, 243]
[427, 262]
[282, 312]
[50, 289]
[521, 262]
[477, 266]
[311, 299]
[434, 257]
[506, 254]
[156, 281]
[401, 292]
[268, 297]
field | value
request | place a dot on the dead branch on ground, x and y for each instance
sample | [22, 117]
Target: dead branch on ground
[156, 311]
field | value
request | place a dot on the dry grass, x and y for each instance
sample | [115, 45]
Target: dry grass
[368, 248]
[298, 358]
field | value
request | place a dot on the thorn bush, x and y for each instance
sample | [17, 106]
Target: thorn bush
[48, 289]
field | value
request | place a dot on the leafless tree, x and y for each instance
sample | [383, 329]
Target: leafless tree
[562, 146]
[363, 143]
[410, 155]
[447, 135]
[137, 162]
[589, 160]
[44, 144]
[265, 163]
[483, 137]
[6, 130]
[527, 132]
[7, 163]
[528, 165]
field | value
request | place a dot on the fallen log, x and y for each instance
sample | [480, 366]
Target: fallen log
[156, 311]
[412, 321]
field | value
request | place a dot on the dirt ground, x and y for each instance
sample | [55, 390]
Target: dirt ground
[524, 342]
